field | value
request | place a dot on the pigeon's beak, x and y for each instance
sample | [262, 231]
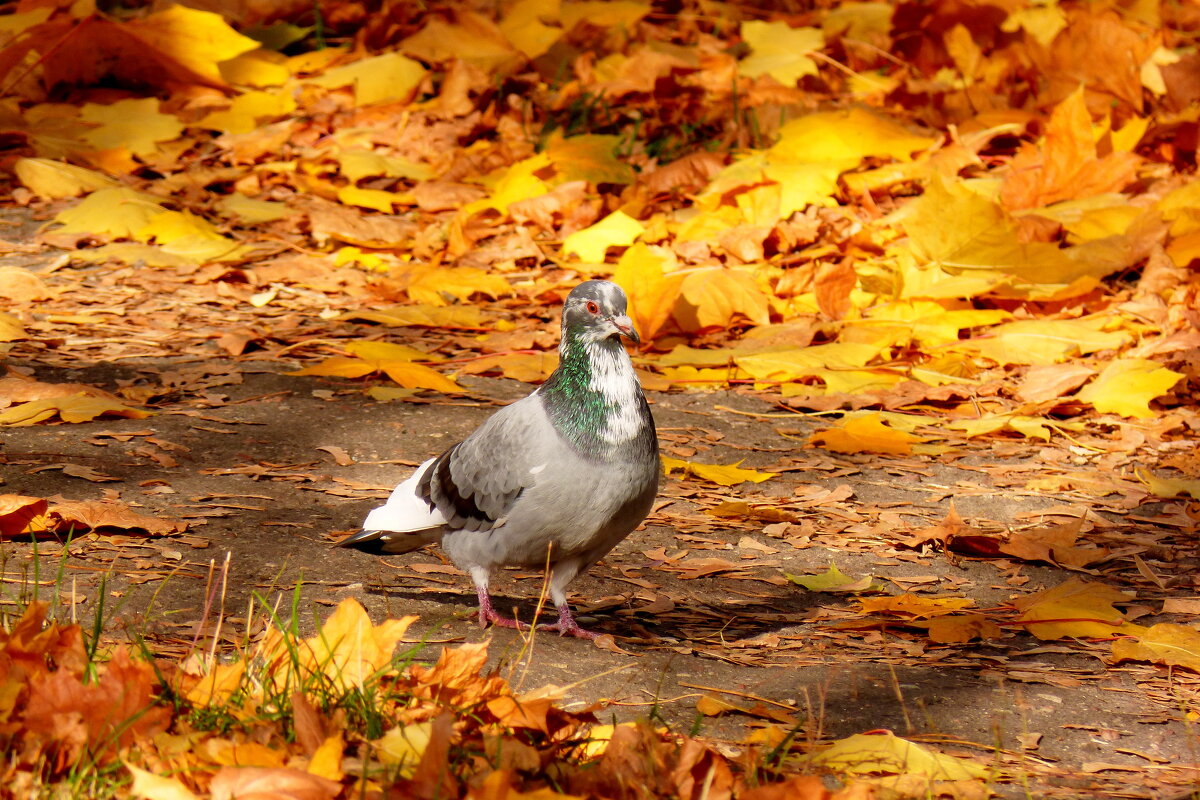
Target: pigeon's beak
[625, 325]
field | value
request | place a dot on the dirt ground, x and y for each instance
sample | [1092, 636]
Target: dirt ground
[698, 604]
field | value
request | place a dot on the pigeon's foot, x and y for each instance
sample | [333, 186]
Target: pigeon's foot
[567, 626]
[488, 615]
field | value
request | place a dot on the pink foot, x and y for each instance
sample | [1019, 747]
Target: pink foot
[567, 626]
[488, 615]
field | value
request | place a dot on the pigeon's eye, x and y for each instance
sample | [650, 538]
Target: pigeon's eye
[592, 307]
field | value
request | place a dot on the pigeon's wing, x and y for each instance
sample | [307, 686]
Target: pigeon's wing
[475, 484]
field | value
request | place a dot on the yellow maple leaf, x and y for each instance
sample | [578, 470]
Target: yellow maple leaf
[800, 362]
[348, 649]
[724, 474]
[962, 628]
[249, 110]
[136, 124]
[149, 786]
[394, 360]
[851, 135]
[80, 407]
[1127, 385]
[1042, 22]
[425, 315]
[359, 164]
[805, 184]
[17, 512]
[326, 762]
[429, 285]
[472, 37]
[197, 40]
[1163, 643]
[526, 29]
[1169, 487]
[603, 13]
[1046, 341]
[116, 212]
[250, 210]
[652, 290]
[618, 229]
[957, 228]
[403, 746]
[885, 752]
[258, 68]
[1072, 608]
[55, 180]
[831, 580]
[376, 199]
[718, 294]
[779, 50]
[524, 367]
[865, 434]
[387, 78]
[11, 328]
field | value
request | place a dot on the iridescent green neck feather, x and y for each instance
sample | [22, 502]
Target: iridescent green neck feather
[586, 398]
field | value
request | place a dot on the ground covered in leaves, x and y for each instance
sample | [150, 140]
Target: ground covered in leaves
[917, 291]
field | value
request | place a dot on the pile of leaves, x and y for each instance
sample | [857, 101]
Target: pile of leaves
[941, 206]
[343, 714]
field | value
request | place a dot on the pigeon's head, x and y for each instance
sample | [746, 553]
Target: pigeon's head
[595, 311]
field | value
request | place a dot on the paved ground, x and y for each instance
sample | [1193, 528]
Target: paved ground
[698, 603]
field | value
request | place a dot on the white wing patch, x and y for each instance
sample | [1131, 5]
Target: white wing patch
[537, 469]
[404, 511]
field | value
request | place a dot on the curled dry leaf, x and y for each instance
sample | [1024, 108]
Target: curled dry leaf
[20, 514]
[259, 783]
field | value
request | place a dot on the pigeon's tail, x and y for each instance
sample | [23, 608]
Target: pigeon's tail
[390, 543]
[405, 512]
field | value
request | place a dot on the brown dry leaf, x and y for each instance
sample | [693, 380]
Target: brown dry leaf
[21, 286]
[95, 514]
[1054, 545]
[112, 712]
[914, 605]
[833, 284]
[798, 787]
[950, 528]
[529, 710]
[340, 456]
[1065, 167]
[1052, 381]
[960, 629]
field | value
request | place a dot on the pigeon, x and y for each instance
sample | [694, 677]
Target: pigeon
[557, 478]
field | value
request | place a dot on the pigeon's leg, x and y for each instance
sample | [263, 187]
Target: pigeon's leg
[561, 574]
[487, 614]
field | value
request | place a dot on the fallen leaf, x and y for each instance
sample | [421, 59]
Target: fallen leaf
[723, 474]
[1164, 643]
